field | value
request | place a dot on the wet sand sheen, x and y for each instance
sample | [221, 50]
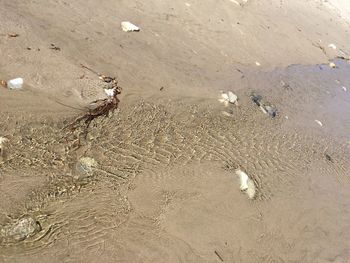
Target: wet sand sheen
[180, 199]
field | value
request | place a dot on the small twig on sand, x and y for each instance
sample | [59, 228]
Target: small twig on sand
[218, 255]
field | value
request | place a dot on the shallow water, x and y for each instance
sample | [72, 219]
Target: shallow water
[180, 199]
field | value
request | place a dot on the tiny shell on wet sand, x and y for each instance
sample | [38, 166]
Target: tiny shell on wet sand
[246, 184]
[332, 46]
[319, 123]
[129, 27]
[332, 65]
[228, 97]
[232, 98]
[15, 84]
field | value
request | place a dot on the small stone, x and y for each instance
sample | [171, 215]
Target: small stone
[256, 99]
[22, 229]
[85, 165]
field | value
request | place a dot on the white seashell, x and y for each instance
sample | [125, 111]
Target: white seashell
[251, 189]
[332, 46]
[110, 92]
[225, 96]
[224, 99]
[243, 178]
[15, 83]
[344, 88]
[129, 27]
[232, 98]
[247, 185]
[257, 63]
[319, 123]
[188, 4]
[332, 65]
[234, 1]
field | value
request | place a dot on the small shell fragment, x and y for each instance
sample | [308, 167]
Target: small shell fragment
[247, 185]
[129, 27]
[257, 63]
[243, 178]
[15, 84]
[319, 123]
[344, 88]
[110, 92]
[228, 97]
[332, 65]
[224, 99]
[234, 1]
[332, 46]
[225, 96]
[232, 98]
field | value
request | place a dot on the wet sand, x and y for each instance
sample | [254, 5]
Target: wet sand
[164, 188]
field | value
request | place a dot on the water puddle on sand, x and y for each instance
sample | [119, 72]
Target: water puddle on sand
[180, 199]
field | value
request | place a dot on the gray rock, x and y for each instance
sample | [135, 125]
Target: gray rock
[266, 107]
[21, 229]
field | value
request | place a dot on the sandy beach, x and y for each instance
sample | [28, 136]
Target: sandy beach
[155, 180]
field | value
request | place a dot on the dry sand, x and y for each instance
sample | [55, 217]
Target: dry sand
[164, 188]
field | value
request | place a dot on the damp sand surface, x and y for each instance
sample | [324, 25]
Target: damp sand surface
[162, 186]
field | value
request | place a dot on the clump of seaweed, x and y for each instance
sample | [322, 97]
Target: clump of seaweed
[100, 107]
